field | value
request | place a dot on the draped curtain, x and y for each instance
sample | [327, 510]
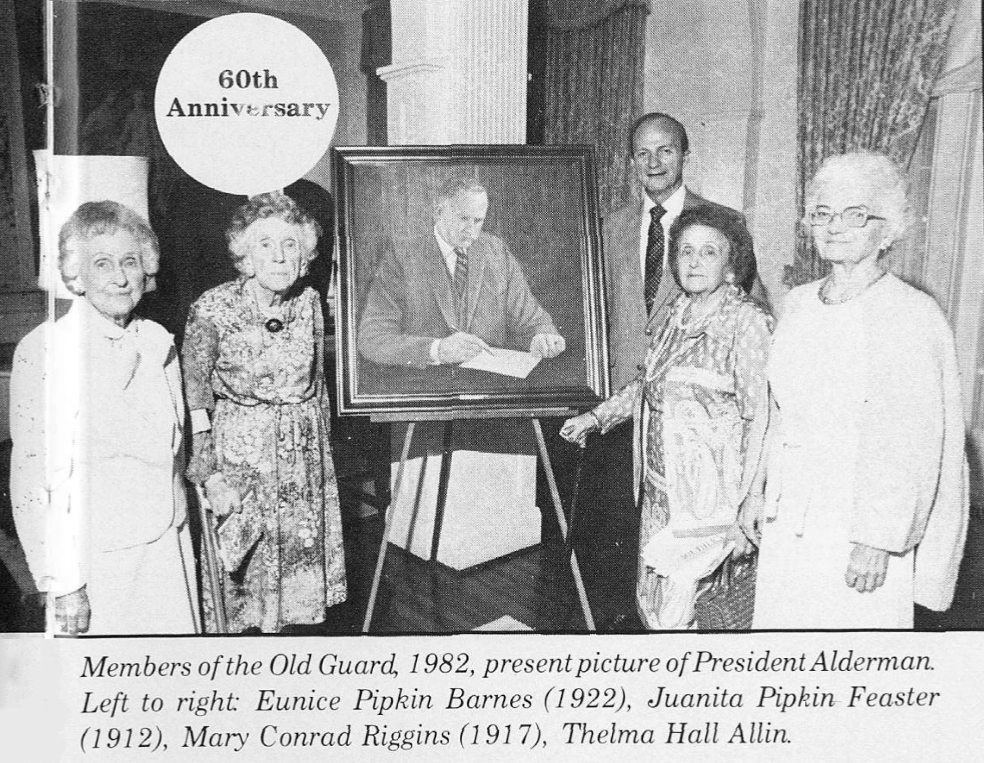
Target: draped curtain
[593, 82]
[867, 71]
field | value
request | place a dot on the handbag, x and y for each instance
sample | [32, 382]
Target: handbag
[728, 600]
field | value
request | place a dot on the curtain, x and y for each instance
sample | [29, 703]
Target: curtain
[867, 71]
[594, 77]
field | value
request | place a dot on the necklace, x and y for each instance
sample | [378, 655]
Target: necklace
[851, 294]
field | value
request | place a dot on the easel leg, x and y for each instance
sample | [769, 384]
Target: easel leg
[559, 509]
[443, 478]
[387, 527]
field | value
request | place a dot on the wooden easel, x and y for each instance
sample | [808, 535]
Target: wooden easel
[442, 491]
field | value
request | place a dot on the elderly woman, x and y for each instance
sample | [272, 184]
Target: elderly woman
[867, 507]
[254, 373]
[96, 419]
[701, 410]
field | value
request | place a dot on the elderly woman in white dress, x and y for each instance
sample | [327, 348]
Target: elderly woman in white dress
[96, 421]
[866, 507]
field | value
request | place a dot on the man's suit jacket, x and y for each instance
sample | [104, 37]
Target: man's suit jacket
[410, 302]
[629, 328]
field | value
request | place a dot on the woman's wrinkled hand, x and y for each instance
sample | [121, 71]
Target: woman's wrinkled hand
[749, 524]
[867, 568]
[72, 612]
[223, 497]
[743, 545]
[577, 429]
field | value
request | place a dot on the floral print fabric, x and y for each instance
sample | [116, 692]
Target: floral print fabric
[270, 426]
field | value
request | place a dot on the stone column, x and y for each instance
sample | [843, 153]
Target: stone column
[458, 73]
[459, 77]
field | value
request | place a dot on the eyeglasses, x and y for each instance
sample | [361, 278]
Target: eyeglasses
[853, 217]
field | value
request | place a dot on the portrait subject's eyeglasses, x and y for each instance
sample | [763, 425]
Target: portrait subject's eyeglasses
[853, 217]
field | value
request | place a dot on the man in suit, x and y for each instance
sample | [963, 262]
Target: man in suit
[640, 290]
[453, 294]
[636, 242]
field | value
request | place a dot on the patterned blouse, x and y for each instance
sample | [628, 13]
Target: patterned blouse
[701, 405]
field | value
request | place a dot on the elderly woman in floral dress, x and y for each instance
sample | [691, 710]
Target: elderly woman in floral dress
[254, 373]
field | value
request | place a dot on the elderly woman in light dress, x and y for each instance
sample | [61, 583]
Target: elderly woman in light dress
[96, 422]
[863, 507]
[254, 376]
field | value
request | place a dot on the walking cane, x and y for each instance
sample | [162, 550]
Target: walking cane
[210, 557]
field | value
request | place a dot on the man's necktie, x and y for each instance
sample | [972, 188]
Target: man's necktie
[654, 256]
[460, 284]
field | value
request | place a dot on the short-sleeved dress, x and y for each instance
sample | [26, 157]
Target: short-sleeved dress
[696, 403]
[270, 426]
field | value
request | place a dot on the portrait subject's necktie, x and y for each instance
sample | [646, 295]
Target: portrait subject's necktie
[655, 244]
[460, 285]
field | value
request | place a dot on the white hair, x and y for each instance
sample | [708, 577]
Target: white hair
[885, 183]
[96, 218]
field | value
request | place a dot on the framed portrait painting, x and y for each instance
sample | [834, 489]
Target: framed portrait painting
[470, 281]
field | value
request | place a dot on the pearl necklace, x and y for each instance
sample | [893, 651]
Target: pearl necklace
[851, 294]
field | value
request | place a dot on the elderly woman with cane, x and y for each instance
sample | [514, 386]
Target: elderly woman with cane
[254, 373]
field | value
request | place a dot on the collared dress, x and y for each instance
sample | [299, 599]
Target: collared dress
[96, 483]
[868, 448]
[270, 425]
[700, 407]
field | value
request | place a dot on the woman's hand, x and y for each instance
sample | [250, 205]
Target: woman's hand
[201, 465]
[867, 568]
[577, 429]
[749, 523]
[72, 612]
[743, 545]
[223, 497]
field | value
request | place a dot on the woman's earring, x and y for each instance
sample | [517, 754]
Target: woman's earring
[729, 277]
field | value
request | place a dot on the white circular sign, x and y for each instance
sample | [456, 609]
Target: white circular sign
[246, 103]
